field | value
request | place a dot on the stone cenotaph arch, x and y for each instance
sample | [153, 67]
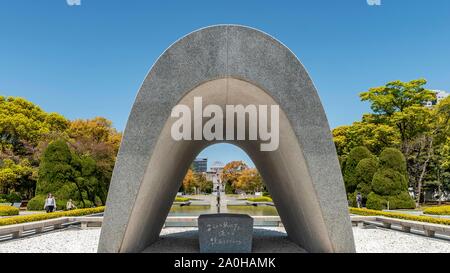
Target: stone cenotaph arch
[228, 65]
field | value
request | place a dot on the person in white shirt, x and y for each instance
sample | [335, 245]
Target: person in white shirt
[50, 203]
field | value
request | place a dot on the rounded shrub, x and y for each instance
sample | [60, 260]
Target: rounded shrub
[366, 169]
[401, 201]
[375, 202]
[389, 182]
[8, 211]
[354, 157]
[391, 158]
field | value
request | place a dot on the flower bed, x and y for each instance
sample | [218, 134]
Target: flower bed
[8, 211]
[440, 210]
[427, 219]
[47, 216]
[260, 199]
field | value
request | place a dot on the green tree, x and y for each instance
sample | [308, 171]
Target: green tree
[396, 96]
[23, 125]
[373, 136]
[396, 103]
[98, 142]
[17, 177]
[55, 169]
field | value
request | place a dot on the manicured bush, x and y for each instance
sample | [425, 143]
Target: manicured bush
[426, 219]
[392, 158]
[47, 216]
[375, 202]
[388, 182]
[8, 211]
[401, 201]
[366, 169]
[440, 210]
[349, 172]
[260, 199]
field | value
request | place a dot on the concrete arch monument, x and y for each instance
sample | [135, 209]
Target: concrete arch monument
[228, 64]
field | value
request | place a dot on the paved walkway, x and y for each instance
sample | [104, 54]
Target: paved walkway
[418, 213]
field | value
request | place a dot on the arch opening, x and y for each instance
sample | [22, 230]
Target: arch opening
[284, 170]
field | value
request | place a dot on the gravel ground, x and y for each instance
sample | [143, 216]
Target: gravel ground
[74, 240]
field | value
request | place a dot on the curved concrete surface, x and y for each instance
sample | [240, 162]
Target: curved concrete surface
[228, 65]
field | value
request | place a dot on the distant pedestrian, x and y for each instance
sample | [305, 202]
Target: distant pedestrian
[70, 205]
[359, 200]
[50, 203]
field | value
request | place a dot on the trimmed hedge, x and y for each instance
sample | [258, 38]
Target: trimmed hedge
[182, 199]
[441, 210]
[8, 211]
[400, 201]
[260, 199]
[47, 216]
[392, 158]
[389, 182]
[426, 219]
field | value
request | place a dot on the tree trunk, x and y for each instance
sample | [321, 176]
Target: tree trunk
[424, 170]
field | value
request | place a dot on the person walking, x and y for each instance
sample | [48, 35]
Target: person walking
[359, 200]
[50, 203]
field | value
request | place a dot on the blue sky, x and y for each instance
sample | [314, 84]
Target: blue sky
[89, 60]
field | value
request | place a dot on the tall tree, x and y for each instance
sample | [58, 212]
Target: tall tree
[392, 104]
[231, 173]
[249, 181]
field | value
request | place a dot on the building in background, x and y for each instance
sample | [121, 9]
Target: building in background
[214, 174]
[201, 165]
[440, 95]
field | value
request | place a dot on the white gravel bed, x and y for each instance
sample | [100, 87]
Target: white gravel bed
[75, 240]
[381, 240]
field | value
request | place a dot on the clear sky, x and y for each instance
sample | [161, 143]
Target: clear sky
[89, 60]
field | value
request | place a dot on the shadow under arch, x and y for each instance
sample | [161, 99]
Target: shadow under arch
[302, 175]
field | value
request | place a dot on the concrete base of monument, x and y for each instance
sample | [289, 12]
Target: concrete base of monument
[264, 241]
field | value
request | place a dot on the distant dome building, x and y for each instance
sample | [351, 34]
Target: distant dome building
[217, 167]
[214, 174]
